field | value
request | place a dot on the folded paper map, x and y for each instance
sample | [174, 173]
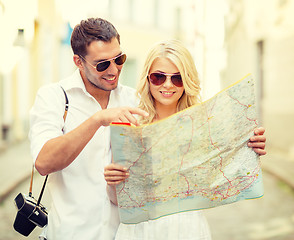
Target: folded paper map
[195, 159]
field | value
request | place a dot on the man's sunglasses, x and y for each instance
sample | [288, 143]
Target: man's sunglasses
[159, 78]
[103, 65]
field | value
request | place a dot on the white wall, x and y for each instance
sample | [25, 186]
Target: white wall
[272, 22]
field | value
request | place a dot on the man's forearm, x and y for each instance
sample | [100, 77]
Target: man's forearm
[60, 152]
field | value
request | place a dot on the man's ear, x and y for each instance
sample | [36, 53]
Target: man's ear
[78, 62]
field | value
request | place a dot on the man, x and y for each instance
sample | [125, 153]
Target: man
[75, 152]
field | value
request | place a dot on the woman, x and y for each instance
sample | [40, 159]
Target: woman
[169, 83]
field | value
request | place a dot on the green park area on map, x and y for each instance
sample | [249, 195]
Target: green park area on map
[195, 159]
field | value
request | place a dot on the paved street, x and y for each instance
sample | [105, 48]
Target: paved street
[268, 218]
[8, 210]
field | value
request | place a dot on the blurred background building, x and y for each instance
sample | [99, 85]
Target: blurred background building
[228, 39]
[259, 38]
[35, 44]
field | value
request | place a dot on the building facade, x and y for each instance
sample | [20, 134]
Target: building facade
[259, 39]
[36, 48]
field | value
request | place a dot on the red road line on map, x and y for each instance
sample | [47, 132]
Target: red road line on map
[253, 176]
[124, 184]
[138, 204]
[147, 150]
[159, 138]
[254, 172]
[213, 144]
[246, 106]
[189, 146]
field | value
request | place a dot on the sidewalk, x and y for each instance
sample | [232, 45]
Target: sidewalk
[280, 166]
[16, 166]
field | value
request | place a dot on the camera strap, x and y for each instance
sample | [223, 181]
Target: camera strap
[32, 175]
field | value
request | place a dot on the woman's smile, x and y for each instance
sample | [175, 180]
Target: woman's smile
[167, 93]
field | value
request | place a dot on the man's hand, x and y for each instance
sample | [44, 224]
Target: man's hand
[121, 114]
[115, 174]
[257, 142]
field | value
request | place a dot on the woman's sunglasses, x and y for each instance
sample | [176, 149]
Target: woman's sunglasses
[159, 78]
[103, 65]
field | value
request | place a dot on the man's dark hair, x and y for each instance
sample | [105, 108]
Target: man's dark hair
[92, 29]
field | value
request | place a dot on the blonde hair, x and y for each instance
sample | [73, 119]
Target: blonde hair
[181, 57]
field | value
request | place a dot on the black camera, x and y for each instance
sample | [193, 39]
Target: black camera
[29, 215]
